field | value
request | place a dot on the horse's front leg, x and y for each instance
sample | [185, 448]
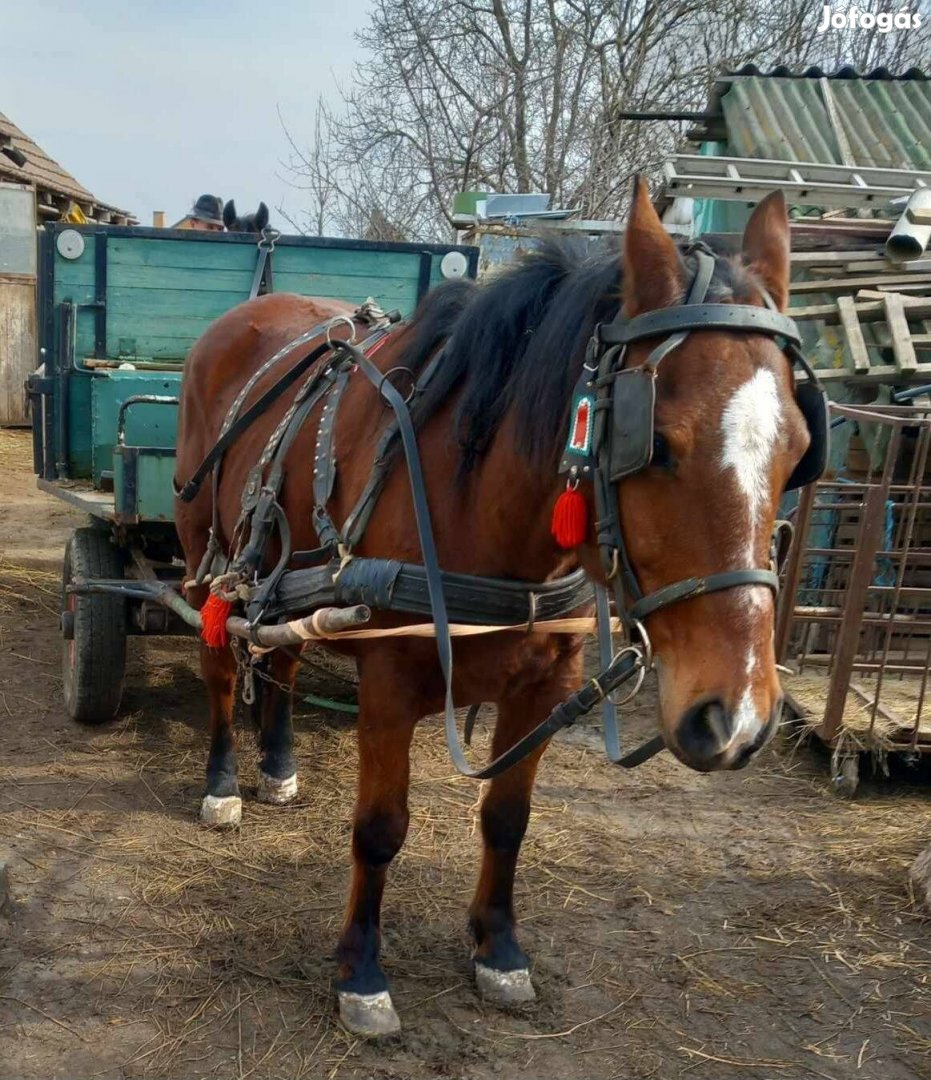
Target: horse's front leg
[501, 967]
[222, 804]
[277, 769]
[385, 728]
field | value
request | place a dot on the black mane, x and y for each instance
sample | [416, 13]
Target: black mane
[518, 341]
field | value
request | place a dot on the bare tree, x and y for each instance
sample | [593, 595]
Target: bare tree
[530, 95]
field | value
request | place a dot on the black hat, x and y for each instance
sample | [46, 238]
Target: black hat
[208, 208]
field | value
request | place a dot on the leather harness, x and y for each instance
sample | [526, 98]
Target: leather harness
[418, 589]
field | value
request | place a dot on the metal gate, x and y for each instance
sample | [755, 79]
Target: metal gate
[857, 634]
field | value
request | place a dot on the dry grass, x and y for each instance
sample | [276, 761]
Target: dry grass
[15, 451]
[749, 924]
[25, 588]
[861, 729]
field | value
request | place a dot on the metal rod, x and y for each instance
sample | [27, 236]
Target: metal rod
[848, 638]
[696, 116]
[322, 623]
[793, 575]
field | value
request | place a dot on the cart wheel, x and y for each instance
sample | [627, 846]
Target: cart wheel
[845, 774]
[94, 631]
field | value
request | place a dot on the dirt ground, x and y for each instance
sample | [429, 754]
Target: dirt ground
[744, 925]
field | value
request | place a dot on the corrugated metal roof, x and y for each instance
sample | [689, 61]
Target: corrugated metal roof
[886, 121]
[846, 71]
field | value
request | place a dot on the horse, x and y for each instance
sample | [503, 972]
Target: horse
[250, 223]
[491, 424]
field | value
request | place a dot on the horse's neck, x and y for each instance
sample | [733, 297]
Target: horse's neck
[502, 518]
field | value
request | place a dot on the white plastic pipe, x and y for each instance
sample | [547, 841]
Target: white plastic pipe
[909, 239]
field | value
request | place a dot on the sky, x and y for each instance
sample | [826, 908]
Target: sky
[150, 104]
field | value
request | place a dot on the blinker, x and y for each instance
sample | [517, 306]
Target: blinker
[633, 404]
[812, 401]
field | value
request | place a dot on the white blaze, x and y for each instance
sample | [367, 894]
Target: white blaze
[749, 428]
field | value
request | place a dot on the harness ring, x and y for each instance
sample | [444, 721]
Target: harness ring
[336, 321]
[641, 675]
[387, 378]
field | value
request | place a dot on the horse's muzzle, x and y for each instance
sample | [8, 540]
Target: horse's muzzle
[709, 737]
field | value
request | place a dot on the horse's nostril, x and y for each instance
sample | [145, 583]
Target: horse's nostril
[705, 729]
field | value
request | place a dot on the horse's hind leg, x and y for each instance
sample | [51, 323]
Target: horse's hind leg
[385, 728]
[277, 769]
[222, 804]
[501, 966]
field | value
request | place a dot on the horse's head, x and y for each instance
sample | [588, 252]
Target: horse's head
[250, 223]
[728, 434]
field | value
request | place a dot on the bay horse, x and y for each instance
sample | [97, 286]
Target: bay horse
[491, 425]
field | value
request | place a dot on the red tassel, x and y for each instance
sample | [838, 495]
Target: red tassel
[570, 518]
[213, 616]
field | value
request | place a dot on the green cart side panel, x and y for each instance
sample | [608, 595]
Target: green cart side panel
[147, 295]
[162, 294]
[142, 477]
[80, 442]
[147, 424]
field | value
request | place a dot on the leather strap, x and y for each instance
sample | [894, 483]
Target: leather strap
[565, 713]
[189, 491]
[700, 586]
[325, 465]
[688, 317]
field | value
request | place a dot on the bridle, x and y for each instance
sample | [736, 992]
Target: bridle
[620, 404]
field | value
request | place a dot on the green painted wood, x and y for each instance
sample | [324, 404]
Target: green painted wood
[154, 496]
[182, 254]
[162, 295]
[77, 274]
[346, 263]
[173, 304]
[80, 449]
[173, 278]
[341, 287]
[146, 424]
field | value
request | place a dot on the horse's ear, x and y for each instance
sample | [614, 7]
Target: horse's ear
[229, 215]
[653, 276]
[766, 246]
[261, 216]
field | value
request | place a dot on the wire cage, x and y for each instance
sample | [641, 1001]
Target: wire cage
[854, 626]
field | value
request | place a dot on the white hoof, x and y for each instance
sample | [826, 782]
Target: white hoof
[504, 987]
[223, 813]
[369, 1015]
[271, 790]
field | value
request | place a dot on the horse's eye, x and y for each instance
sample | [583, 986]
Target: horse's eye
[662, 455]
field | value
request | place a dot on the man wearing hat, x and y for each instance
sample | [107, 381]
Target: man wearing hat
[206, 215]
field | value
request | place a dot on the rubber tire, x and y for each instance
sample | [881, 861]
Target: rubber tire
[94, 661]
